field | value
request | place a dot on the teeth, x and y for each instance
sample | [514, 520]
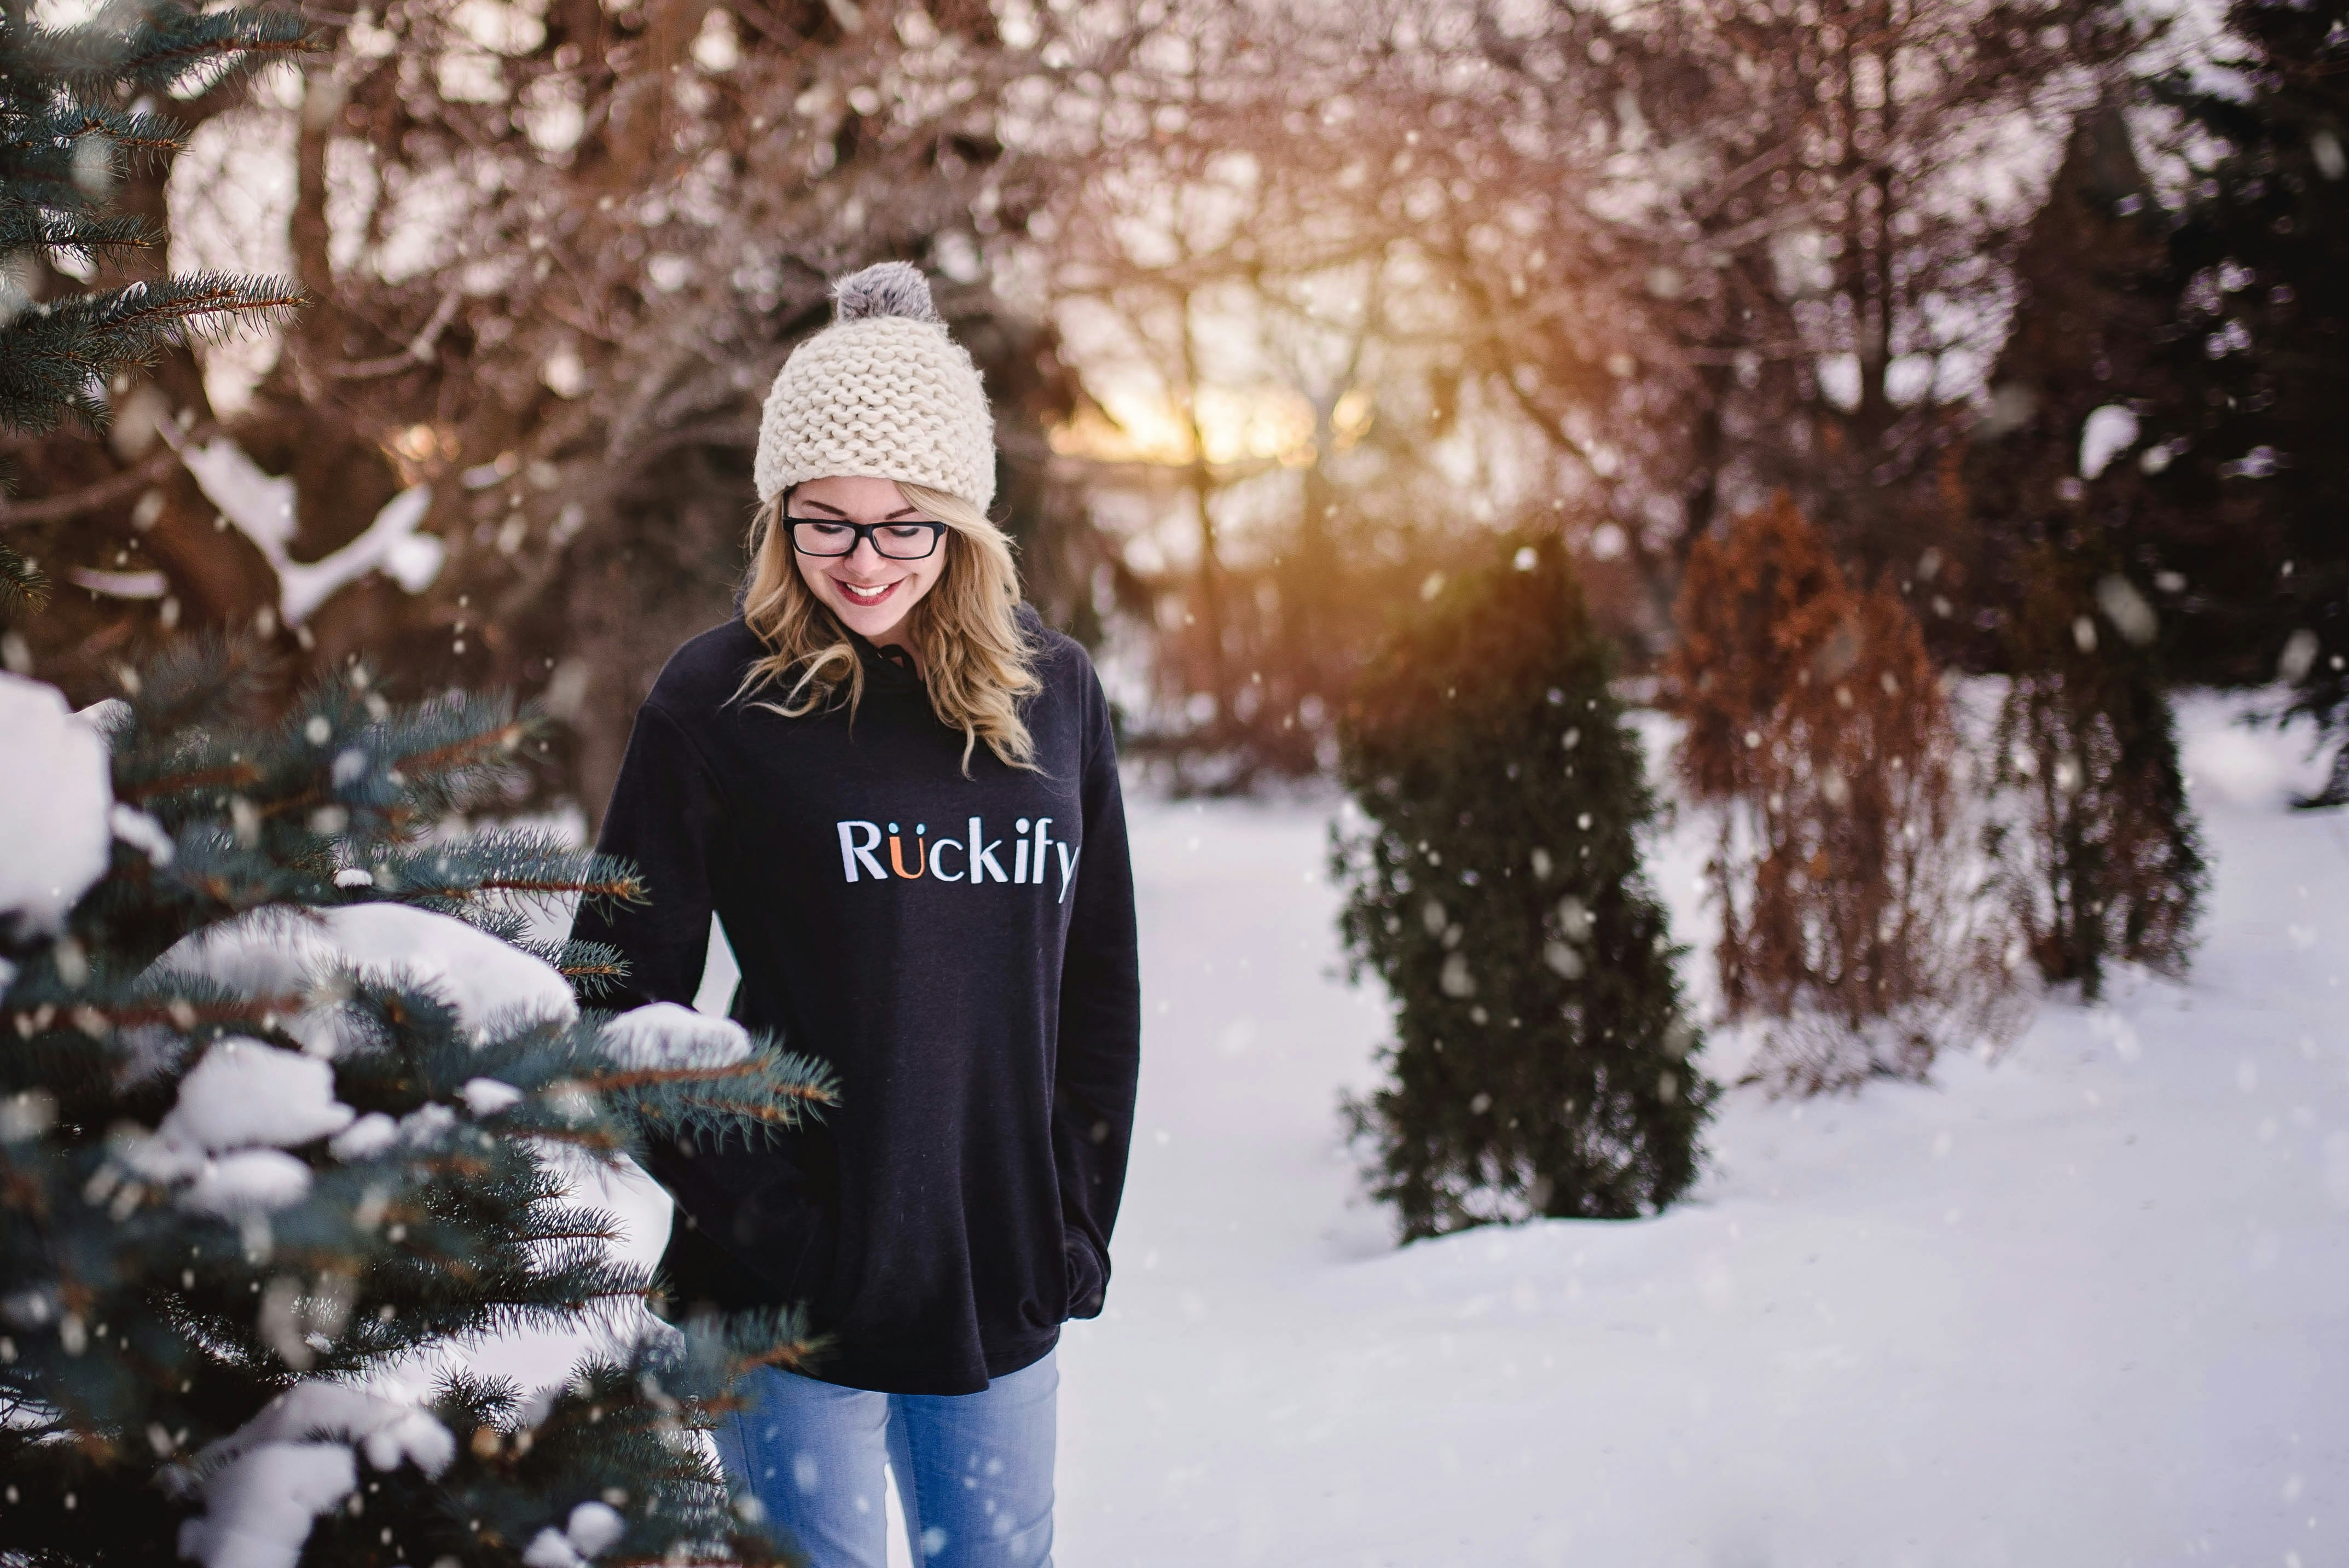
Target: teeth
[869, 595]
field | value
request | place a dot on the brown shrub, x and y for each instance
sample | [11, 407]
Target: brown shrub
[1818, 727]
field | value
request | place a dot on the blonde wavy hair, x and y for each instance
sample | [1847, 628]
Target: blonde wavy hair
[976, 661]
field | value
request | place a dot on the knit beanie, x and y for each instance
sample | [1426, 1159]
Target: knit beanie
[882, 392]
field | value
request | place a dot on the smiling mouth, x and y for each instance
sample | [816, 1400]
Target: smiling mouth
[856, 595]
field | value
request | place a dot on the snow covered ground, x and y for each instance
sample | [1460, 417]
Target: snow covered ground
[2087, 1307]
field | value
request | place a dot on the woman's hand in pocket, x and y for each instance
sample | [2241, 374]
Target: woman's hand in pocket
[1088, 1276]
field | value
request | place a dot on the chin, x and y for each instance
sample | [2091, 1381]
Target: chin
[874, 621]
[871, 625]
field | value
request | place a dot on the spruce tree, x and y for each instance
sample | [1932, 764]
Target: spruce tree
[73, 115]
[2252, 393]
[283, 1107]
[2103, 593]
[2079, 341]
[1543, 1063]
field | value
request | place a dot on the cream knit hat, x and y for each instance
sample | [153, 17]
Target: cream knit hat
[882, 392]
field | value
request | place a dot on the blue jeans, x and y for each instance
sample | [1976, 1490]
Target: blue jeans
[974, 1470]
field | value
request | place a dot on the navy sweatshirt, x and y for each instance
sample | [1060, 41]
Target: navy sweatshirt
[960, 950]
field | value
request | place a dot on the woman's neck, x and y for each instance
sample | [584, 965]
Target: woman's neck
[898, 639]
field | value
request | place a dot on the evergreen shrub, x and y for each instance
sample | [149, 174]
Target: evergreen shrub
[2115, 568]
[1543, 1063]
[284, 1108]
[2242, 426]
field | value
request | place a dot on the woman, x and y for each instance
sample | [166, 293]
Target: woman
[898, 791]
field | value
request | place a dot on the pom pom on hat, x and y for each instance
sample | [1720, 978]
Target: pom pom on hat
[882, 392]
[885, 288]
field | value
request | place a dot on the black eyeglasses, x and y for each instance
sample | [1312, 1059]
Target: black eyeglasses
[838, 536]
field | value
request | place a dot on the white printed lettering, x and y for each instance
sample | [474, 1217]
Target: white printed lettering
[850, 852]
[1043, 839]
[1068, 869]
[938, 867]
[982, 857]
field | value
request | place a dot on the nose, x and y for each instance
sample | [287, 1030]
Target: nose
[864, 556]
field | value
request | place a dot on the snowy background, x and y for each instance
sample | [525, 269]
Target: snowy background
[2089, 1304]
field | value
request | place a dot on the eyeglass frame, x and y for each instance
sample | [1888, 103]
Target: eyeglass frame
[865, 534]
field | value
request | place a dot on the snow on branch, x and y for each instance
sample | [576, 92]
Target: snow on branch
[244, 1096]
[278, 952]
[264, 1483]
[55, 802]
[665, 1035]
[261, 506]
[2106, 434]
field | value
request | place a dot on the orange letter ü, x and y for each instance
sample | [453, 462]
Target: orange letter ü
[896, 855]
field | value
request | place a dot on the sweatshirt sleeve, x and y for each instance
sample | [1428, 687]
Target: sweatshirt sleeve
[665, 819]
[1100, 1051]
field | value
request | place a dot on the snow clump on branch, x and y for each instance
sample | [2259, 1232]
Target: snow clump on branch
[55, 798]
[665, 1035]
[299, 954]
[264, 1483]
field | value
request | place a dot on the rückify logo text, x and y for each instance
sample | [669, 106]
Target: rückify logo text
[975, 857]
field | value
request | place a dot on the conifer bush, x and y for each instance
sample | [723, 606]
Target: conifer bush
[1544, 1063]
[2113, 568]
[285, 1106]
[2242, 432]
[1816, 726]
[2103, 862]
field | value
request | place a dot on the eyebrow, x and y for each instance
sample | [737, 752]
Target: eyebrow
[901, 511]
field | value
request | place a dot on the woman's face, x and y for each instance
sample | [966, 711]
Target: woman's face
[870, 591]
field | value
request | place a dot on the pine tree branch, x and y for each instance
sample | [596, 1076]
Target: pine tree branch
[141, 136]
[53, 356]
[233, 773]
[210, 304]
[168, 48]
[82, 236]
[22, 586]
[498, 744]
[675, 1076]
[257, 1012]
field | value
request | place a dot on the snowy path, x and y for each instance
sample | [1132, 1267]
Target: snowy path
[2090, 1307]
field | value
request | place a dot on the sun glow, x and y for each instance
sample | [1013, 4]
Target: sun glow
[1265, 422]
